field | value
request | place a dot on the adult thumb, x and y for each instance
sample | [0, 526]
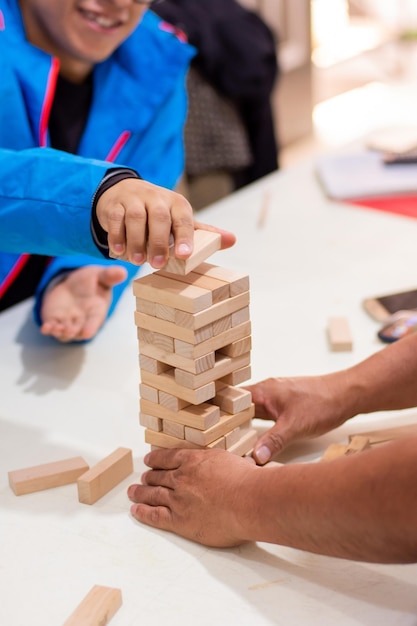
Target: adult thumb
[269, 445]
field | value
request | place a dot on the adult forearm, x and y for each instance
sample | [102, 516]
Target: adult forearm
[362, 507]
[385, 381]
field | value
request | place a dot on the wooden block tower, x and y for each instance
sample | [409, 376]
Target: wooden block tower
[194, 334]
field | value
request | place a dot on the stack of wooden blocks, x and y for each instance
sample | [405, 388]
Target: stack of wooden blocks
[194, 334]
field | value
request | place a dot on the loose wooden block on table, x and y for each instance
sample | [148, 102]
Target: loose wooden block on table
[206, 243]
[105, 475]
[47, 475]
[97, 608]
[340, 337]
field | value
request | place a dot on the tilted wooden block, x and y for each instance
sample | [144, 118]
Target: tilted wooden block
[47, 475]
[206, 243]
[105, 475]
[339, 334]
[97, 608]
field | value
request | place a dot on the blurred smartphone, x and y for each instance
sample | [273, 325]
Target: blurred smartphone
[382, 307]
[399, 325]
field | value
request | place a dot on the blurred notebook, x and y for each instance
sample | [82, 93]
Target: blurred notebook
[364, 174]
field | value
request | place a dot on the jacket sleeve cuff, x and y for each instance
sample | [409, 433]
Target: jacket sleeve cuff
[111, 177]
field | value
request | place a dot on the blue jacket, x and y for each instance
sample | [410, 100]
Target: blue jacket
[136, 120]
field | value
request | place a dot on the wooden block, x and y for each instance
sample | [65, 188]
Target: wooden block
[384, 435]
[105, 475]
[172, 330]
[194, 366]
[213, 313]
[220, 290]
[226, 424]
[334, 451]
[174, 429]
[232, 399]
[201, 416]
[358, 443]
[339, 334]
[162, 440]
[172, 293]
[206, 243]
[223, 366]
[232, 437]
[237, 377]
[191, 351]
[146, 306]
[241, 316]
[152, 365]
[148, 393]
[222, 325]
[238, 282]
[150, 421]
[245, 445]
[166, 382]
[237, 347]
[97, 608]
[47, 475]
[172, 402]
[163, 342]
[164, 312]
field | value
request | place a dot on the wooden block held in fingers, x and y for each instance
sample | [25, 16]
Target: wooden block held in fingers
[339, 334]
[97, 608]
[206, 243]
[47, 475]
[105, 475]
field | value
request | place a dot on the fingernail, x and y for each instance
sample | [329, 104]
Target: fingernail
[263, 454]
[133, 509]
[118, 248]
[131, 491]
[138, 258]
[184, 248]
[158, 261]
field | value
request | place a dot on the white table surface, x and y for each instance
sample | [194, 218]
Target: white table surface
[311, 259]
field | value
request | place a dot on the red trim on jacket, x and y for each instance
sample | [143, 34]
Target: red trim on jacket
[14, 272]
[118, 146]
[47, 103]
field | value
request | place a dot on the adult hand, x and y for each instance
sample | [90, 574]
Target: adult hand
[202, 495]
[140, 218]
[300, 407]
